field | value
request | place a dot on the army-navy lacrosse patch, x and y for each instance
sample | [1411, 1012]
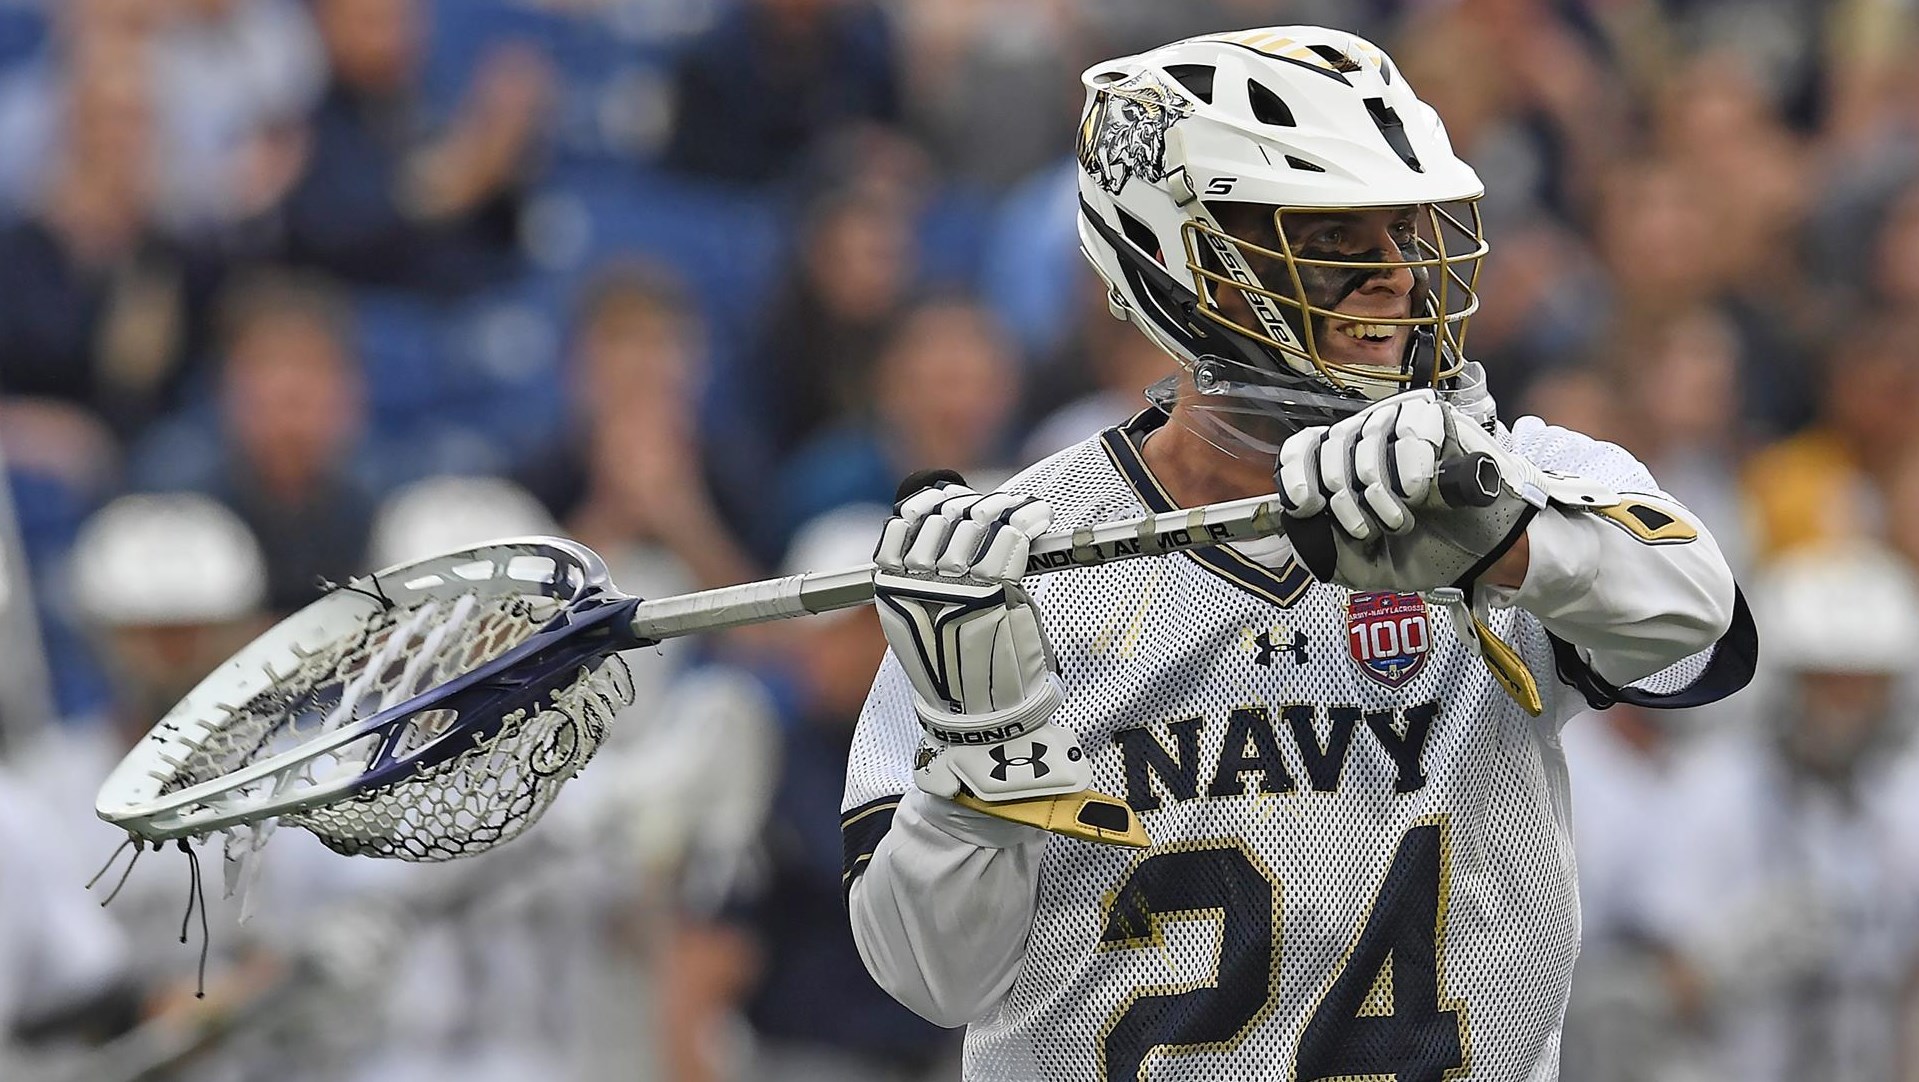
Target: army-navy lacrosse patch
[1388, 635]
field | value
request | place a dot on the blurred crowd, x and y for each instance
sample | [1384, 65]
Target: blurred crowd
[323, 285]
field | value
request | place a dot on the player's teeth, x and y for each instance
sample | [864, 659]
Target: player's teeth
[1368, 330]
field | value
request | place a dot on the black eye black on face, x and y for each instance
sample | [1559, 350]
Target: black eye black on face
[1355, 233]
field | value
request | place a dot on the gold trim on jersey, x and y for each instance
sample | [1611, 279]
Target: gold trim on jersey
[861, 841]
[873, 810]
[1283, 588]
[1135, 625]
[1379, 998]
[1648, 522]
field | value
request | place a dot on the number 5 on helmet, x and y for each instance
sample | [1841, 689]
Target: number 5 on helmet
[984, 677]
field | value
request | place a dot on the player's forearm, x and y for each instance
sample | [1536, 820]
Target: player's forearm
[1637, 607]
[942, 912]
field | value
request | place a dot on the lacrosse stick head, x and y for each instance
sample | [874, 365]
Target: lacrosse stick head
[425, 712]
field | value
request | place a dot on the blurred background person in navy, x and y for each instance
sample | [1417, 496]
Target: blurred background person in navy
[287, 453]
[382, 196]
[774, 75]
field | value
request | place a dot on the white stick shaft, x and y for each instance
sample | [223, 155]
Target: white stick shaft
[825, 591]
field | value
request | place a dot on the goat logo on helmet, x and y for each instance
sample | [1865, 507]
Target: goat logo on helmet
[1123, 134]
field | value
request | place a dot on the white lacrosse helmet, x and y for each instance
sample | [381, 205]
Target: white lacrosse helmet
[167, 558]
[446, 512]
[1840, 609]
[1195, 158]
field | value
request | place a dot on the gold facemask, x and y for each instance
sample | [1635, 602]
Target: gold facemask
[1444, 254]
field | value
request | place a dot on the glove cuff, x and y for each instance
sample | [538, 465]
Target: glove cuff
[1465, 581]
[968, 730]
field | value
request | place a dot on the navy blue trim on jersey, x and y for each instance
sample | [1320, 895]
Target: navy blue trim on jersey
[1283, 588]
[861, 829]
[1734, 658]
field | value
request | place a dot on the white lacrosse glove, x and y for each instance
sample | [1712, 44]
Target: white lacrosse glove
[1377, 474]
[970, 639]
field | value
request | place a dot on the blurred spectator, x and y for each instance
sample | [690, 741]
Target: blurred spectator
[1579, 397]
[777, 948]
[1869, 156]
[1122, 363]
[813, 365]
[944, 388]
[1680, 377]
[96, 306]
[756, 91]
[1032, 269]
[221, 78]
[1720, 133]
[1636, 1000]
[1892, 274]
[634, 478]
[292, 407]
[1543, 294]
[1524, 95]
[1653, 233]
[1779, 39]
[1829, 481]
[1801, 849]
[994, 85]
[383, 199]
[233, 79]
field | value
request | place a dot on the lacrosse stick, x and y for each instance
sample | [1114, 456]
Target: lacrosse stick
[434, 709]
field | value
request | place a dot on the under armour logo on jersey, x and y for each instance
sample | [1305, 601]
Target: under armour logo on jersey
[1036, 761]
[1264, 643]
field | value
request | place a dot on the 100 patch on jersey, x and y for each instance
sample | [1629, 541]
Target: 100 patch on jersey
[1388, 635]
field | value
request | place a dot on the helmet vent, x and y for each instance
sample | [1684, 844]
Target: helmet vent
[1196, 78]
[1139, 233]
[1268, 108]
[1394, 131]
[1340, 61]
[1107, 77]
[1301, 163]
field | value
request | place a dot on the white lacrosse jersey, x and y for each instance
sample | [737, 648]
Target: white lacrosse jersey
[1362, 861]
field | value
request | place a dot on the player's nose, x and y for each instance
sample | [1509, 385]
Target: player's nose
[1395, 278]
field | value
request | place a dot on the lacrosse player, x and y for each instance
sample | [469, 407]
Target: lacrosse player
[1344, 747]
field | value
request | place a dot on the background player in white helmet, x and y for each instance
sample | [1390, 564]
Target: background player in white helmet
[1351, 775]
[1795, 878]
[169, 585]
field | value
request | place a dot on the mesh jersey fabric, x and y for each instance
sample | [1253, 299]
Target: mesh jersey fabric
[1326, 897]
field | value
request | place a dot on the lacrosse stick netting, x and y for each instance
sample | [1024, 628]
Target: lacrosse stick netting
[426, 712]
